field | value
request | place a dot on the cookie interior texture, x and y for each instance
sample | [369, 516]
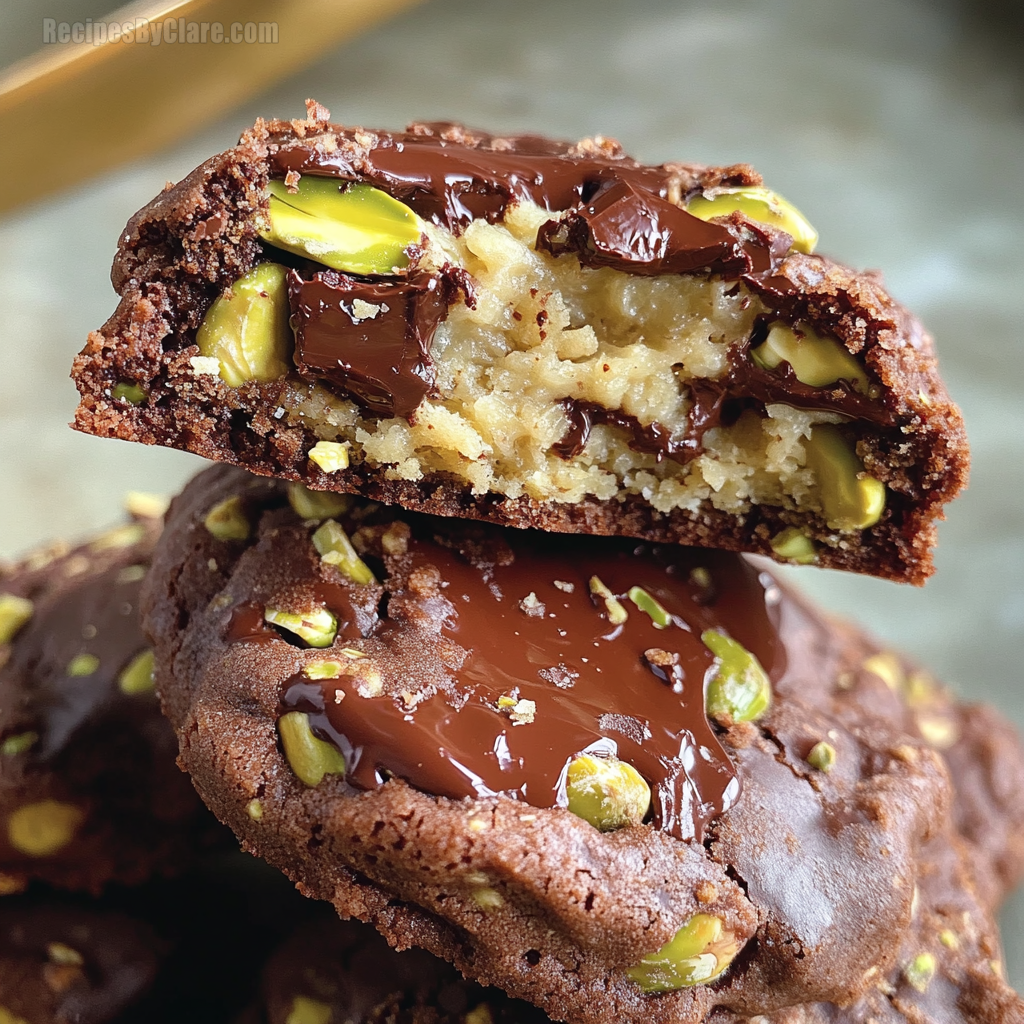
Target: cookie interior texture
[533, 898]
[516, 372]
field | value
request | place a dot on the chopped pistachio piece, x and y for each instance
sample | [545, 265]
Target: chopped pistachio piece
[607, 792]
[740, 690]
[323, 670]
[480, 1014]
[355, 228]
[310, 757]
[759, 204]
[617, 613]
[488, 899]
[120, 537]
[317, 627]
[254, 808]
[19, 743]
[15, 612]
[308, 1011]
[125, 391]
[7, 1017]
[920, 971]
[139, 675]
[246, 328]
[698, 953]
[949, 939]
[816, 361]
[794, 545]
[83, 665]
[227, 520]
[334, 547]
[145, 504]
[330, 456]
[317, 505]
[646, 603]
[43, 828]
[822, 756]
[850, 499]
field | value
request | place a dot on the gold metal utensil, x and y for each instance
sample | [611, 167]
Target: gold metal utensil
[115, 88]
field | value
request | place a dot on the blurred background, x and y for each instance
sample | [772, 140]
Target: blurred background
[897, 126]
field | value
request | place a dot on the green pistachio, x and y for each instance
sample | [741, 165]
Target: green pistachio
[15, 612]
[125, 391]
[920, 971]
[759, 204]
[119, 537]
[19, 743]
[334, 548]
[246, 328]
[254, 808]
[318, 627]
[480, 1014]
[330, 456]
[646, 603]
[83, 665]
[850, 500]
[740, 690]
[607, 792]
[617, 613]
[227, 520]
[354, 228]
[698, 953]
[795, 546]
[323, 670]
[816, 361]
[822, 756]
[43, 828]
[138, 676]
[317, 505]
[309, 1011]
[310, 757]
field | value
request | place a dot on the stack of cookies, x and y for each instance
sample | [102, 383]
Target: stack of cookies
[473, 636]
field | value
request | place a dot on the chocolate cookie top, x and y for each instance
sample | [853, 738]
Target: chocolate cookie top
[286, 609]
[368, 266]
[89, 789]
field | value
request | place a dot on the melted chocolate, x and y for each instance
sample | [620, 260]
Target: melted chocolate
[99, 617]
[381, 357]
[593, 686]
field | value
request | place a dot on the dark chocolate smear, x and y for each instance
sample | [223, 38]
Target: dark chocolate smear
[378, 354]
[99, 617]
[525, 626]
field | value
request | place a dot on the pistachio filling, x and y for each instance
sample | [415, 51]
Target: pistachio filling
[698, 953]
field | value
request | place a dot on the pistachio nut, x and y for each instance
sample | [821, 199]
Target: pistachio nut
[83, 665]
[488, 899]
[795, 546]
[698, 953]
[480, 1014]
[138, 676]
[317, 505]
[330, 456]
[19, 743]
[43, 828]
[354, 228]
[607, 792]
[227, 520]
[323, 670]
[7, 1017]
[318, 627]
[920, 971]
[850, 499]
[310, 757]
[759, 204]
[15, 612]
[816, 361]
[822, 756]
[145, 504]
[334, 547]
[617, 613]
[740, 690]
[246, 328]
[646, 603]
[254, 808]
[125, 391]
[308, 1011]
[119, 537]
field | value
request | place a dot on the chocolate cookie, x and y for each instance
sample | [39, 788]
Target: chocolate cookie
[494, 744]
[534, 333]
[89, 789]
